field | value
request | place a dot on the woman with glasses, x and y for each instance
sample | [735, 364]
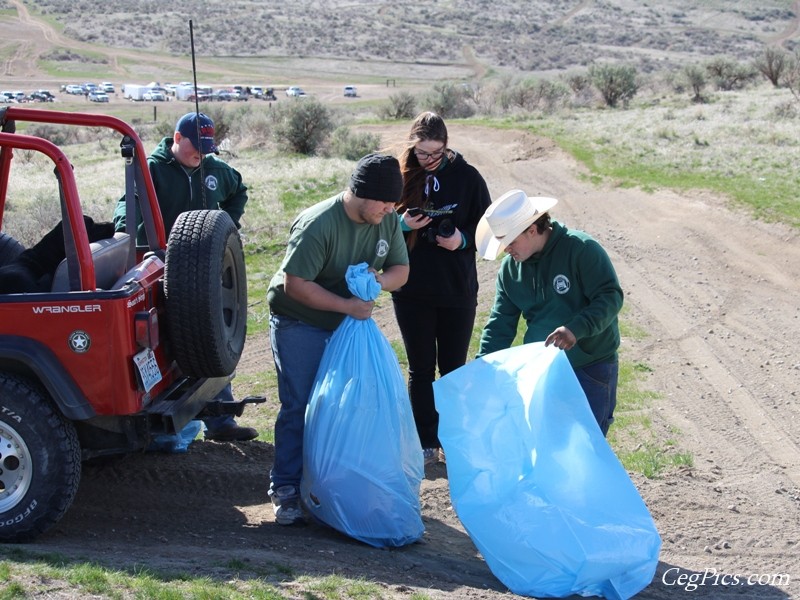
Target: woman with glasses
[443, 199]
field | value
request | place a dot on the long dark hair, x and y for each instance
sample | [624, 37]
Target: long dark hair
[426, 126]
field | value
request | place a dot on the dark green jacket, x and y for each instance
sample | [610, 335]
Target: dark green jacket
[179, 189]
[571, 282]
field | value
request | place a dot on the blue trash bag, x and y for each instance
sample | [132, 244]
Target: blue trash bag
[535, 483]
[362, 459]
[175, 443]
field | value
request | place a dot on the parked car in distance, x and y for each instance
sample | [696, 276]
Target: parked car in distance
[201, 96]
[222, 95]
[98, 96]
[295, 91]
[350, 91]
[7, 97]
[155, 96]
[107, 87]
[41, 96]
[73, 88]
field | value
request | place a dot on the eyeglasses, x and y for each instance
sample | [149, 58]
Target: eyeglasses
[428, 155]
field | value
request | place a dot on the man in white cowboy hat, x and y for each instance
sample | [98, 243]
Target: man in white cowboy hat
[563, 284]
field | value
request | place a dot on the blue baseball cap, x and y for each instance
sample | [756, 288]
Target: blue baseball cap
[199, 128]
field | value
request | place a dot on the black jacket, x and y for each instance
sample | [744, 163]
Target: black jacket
[443, 277]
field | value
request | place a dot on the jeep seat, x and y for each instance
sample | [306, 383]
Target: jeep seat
[110, 258]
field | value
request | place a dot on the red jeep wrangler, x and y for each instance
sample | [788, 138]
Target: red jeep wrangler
[128, 343]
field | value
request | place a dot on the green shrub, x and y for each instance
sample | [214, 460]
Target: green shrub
[57, 134]
[616, 83]
[696, 80]
[163, 129]
[254, 129]
[352, 146]
[772, 64]
[535, 94]
[729, 74]
[64, 135]
[302, 126]
[449, 101]
[402, 105]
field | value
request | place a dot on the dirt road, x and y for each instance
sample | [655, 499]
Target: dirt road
[717, 294]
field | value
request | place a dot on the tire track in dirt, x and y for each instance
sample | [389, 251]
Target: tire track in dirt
[739, 422]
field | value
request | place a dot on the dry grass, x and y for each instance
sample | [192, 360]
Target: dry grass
[744, 144]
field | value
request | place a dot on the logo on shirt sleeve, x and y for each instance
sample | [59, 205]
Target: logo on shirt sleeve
[561, 284]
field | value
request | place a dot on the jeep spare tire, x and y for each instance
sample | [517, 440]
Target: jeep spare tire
[205, 291]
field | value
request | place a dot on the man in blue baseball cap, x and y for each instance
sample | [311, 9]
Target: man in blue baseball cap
[188, 175]
[175, 167]
[199, 129]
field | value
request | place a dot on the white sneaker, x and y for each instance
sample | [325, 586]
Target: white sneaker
[286, 505]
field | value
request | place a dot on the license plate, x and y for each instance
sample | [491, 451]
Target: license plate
[149, 372]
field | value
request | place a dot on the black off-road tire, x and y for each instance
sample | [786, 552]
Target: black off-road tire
[9, 249]
[205, 286]
[40, 460]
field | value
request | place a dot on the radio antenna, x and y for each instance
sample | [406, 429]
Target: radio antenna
[197, 115]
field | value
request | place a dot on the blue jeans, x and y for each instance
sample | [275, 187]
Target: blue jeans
[599, 383]
[297, 349]
[220, 422]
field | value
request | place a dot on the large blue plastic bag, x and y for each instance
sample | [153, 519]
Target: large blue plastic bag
[362, 459]
[535, 483]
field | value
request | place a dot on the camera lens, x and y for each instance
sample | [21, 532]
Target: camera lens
[446, 228]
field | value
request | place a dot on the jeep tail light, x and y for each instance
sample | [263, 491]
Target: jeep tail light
[146, 328]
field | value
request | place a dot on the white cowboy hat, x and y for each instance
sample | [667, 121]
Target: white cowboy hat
[507, 217]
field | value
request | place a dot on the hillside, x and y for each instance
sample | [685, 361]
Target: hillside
[370, 41]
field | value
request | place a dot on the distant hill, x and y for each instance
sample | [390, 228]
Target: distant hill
[475, 37]
[520, 35]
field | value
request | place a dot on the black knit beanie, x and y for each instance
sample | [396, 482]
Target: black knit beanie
[377, 177]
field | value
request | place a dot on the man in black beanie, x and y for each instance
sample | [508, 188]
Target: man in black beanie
[308, 298]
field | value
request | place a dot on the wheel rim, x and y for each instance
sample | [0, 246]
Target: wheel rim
[230, 293]
[16, 470]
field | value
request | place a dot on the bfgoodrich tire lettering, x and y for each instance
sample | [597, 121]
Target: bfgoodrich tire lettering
[206, 293]
[40, 461]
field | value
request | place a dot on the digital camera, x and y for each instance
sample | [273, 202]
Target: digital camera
[444, 228]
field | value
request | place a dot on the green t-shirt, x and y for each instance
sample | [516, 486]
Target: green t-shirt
[323, 242]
